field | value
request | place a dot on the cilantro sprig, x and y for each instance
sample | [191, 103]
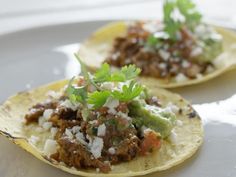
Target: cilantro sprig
[128, 92]
[187, 9]
[127, 73]
[98, 98]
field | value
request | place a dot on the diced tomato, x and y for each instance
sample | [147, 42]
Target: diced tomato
[151, 141]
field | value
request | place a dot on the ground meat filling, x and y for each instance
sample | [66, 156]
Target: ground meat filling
[120, 139]
[164, 62]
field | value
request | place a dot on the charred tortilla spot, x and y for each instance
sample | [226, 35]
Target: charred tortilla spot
[192, 114]
[8, 135]
[146, 165]
[180, 111]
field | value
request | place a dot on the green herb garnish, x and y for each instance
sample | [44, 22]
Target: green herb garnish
[171, 25]
[98, 98]
[128, 92]
[104, 74]
[76, 94]
[187, 9]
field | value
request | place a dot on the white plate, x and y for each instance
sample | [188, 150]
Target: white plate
[37, 56]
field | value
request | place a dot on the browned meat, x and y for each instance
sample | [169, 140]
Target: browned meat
[37, 110]
[133, 49]
[120, 135]
[34, 115]
[127, 149]
[66, 113]
[76, 155]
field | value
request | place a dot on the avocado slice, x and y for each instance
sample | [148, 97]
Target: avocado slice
[153, 117]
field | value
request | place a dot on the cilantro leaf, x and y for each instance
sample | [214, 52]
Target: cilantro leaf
[171, 25]
[98, 98]
[103, 74]
[152, 41]
[188, 9]
[76, 94]
[127, 73]
[117, 77]
[130, 71]
[128, 92]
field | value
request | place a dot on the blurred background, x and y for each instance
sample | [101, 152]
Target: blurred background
[15, 14]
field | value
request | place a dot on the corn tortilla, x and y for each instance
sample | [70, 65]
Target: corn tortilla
[96, 48]
[189, 134]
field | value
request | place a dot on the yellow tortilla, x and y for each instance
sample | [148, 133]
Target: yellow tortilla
[189, 134]
[96, 48]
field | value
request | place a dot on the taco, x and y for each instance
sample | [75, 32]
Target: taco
[105, 124]
[171, 53]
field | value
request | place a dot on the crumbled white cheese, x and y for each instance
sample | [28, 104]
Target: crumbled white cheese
[75, 129]
[41, 121]
[209, 69]
[196, 52]
[112, 150]
[92, 122]
[34, 140]
[50, 147]
[199, 76]
[68, 133]
[107, 85]
[164, 54]
[162, 65]
[47, 125]
[179, 123]
[96, 147]
[185, 64]
[53, 131]
[32, 110]
[67, 103]
[168, 110]
[80, 137]
[101, 130]
[173, 137]
[47, 114]
[123, 115]
[153, 27]
[173, 107]
[200, 30]
[181, 77]
[147, 130]
[54, 94]
[143, 128]
[111, 103]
